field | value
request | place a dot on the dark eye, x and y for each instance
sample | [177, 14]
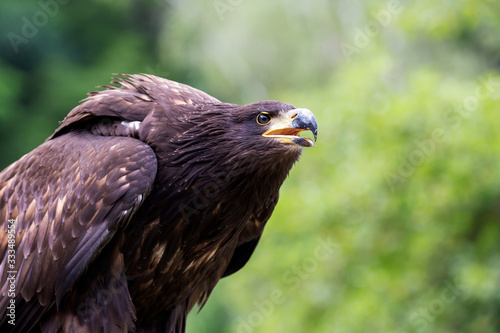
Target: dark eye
[263, 118]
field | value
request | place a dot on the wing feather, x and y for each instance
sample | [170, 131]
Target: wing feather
[133, 99]
[68, 196]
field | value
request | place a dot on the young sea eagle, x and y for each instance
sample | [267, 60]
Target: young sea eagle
[147, 194]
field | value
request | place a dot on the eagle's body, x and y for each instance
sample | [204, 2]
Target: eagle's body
[144, 197]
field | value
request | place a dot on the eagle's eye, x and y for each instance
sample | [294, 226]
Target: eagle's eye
[263, 118]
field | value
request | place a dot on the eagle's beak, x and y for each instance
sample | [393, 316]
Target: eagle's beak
[288, 127]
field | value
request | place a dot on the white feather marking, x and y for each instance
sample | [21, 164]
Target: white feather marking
[133, 125]
[158, 251]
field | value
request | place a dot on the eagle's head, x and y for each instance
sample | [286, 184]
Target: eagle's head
[273, 123]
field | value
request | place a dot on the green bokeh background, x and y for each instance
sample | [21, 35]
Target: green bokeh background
[389, 224]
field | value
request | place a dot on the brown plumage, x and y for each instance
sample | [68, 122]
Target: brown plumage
[147, 194]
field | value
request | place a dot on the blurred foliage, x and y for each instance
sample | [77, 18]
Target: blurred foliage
[389, 224]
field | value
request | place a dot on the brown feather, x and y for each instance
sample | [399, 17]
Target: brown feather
[149, 192]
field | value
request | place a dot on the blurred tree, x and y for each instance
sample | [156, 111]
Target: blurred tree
[55, 51]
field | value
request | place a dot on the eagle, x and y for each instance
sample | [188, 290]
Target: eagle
[146, 195]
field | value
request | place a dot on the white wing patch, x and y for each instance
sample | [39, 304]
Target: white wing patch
[132, 125]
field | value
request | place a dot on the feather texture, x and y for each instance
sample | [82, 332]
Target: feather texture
[147, 194]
